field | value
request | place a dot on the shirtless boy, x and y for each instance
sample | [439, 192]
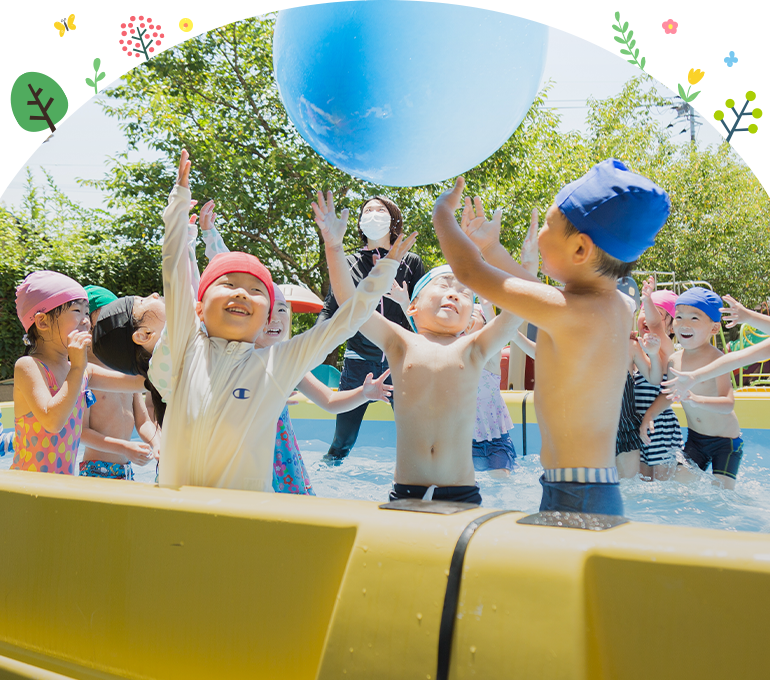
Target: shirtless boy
[597, 228]
[435, 373]
[713, 433]
[109, 422]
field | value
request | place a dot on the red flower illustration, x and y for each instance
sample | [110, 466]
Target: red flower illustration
[670, 26]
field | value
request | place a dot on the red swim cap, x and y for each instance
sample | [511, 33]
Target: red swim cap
[230, 263]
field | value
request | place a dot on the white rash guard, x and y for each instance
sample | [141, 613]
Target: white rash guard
[225, 397]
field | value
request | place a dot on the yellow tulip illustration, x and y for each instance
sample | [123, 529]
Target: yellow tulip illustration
[693, 78]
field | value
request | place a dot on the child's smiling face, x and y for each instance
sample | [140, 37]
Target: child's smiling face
[693, 327]
[76, 318]
[235, 307]
[277, 329]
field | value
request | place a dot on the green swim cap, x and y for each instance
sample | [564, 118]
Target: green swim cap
[98, 297]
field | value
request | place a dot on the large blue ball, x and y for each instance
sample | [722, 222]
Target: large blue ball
[406, 93]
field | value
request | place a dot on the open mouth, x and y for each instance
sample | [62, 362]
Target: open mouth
[449, 305]
[273, 332]
[237, 310]
[686, 335]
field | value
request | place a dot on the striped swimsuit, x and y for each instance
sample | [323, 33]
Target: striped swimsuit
[667, 438]
[628, 438]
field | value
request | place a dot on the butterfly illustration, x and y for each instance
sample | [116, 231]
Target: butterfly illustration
[67, 24]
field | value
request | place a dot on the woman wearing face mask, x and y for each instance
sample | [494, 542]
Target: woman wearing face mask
[379, 224]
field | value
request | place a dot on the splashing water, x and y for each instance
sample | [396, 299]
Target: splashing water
[368, 474]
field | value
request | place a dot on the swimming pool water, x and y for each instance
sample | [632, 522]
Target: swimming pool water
[368, 473]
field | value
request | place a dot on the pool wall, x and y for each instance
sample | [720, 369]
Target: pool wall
[104, 580]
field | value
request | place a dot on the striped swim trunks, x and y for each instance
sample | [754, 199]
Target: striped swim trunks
[582, 475]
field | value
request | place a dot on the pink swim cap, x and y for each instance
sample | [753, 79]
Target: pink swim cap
[278, 294]
[666, 300]
[43, 291]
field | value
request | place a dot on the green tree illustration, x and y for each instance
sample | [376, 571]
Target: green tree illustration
[38, 102]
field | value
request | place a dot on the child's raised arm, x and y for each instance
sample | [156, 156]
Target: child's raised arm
[724, 402]
[347, 400]
[178, 279]
[496, 334]
[529, 299]
[654, 319]
[377, 328]
[678, 386]
[646, 357]
[485, 234]
[736, 313]
[524, 343]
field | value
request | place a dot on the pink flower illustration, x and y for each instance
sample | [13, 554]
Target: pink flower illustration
[670, 26]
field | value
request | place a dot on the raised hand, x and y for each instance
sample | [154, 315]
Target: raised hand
[648, 288]
[208, 216]
[78, 343]
[377, 390]
[399, 294]
[401, 247]
[474, 223]
[530, 254]
[650, 343]
[678, 387]
[734, 313]
[183, 175]
[452, 197]
[332, 227]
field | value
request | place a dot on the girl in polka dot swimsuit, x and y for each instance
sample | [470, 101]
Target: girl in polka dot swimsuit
[51, 381]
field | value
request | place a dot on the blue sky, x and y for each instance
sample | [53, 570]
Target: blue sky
[578, 68]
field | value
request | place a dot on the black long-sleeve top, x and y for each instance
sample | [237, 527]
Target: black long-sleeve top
[410, 270]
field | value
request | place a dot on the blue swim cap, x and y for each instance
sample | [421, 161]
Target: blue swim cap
[705, 300]
[620, 210]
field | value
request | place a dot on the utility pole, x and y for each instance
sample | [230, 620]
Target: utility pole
[685, 113]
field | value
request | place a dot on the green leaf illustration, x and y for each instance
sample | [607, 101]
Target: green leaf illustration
[636, 53]
[630, 35]
[694, 94]
[617, 28]
[631, 44]
[620, 40]
[38, 102]
[617, 16]
[89, 82]
[625, 52]
[99, 77]
[682, 93]
[97, 63]
[625, 27]
[642, 62]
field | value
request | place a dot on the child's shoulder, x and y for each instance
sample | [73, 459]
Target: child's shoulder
[26, 364]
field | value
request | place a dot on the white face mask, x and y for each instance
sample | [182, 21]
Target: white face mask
[375, 225]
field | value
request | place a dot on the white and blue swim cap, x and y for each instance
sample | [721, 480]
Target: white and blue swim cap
[441, 270]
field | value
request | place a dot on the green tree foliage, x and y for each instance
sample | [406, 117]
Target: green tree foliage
[49, 231]
[215, 95]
